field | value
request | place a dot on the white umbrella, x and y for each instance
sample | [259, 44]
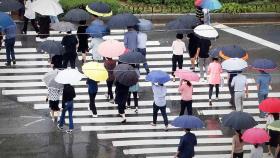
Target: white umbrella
[206, 31]
[68, 76]
[47, 7]
[234, 64]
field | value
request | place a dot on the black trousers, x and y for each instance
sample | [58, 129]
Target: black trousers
[33, 22]
[211, 86]
[184, 105]
[176, 59]
[237, 155]
[69, 58]
[92, 106]
[163, 113]
[134, 98]
[109, 86]
[231, 91]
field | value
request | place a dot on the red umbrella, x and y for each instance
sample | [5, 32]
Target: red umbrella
[111, 48]
[186, 75]
[271, 105]
[255, 136]
[197, 2]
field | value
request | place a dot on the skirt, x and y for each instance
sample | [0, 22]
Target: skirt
[54, 105]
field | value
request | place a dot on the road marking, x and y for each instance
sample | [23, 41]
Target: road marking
[29, 63]
[32, 117]
[17, 44]
[33, 122]
[124, 127]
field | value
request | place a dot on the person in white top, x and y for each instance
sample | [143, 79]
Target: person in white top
[141, 47]
[206, 18]
[29, 15]
[256, 151]
[178, 48]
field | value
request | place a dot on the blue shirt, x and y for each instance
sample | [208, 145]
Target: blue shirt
[130, 40]
[263, 80]
[10, 31]
[92, 86]
[186, 146]
[159, 95]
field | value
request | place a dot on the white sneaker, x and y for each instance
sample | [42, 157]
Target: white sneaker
[106, 95]
[112, 101]
[95, 116]
[217, 98]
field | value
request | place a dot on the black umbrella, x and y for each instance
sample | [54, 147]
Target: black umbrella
[51, 47]
[214, 53]
[125, 74]
[233, 51]
[99, 9]
[63, 26]
[132, 58]
[9, 5]
[123, 20]
[76, 15]
[239, 120]
[183, 24]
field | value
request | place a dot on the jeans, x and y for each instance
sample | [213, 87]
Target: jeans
[231, 91]
[237, 155]
[68, 107]
[134, 98]
[203, 62]
[69, 58]
[10, 53]
[143, 52]
[163, 113]
[238, 99]
[54, 19]
[185, 104]
[92, 106]
[33, 22]
[262, 97]
[109, 86]
[176, 59]
[211, 86]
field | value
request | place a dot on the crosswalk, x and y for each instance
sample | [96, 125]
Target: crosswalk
[136, 137]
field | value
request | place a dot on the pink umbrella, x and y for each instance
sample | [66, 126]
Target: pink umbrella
[186, 75]
[197, 2]
[111, 48]
[255, 136]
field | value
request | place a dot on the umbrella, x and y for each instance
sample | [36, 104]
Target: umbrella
[271, 105]
[111, 48]
[76, 15]
[145, 25]
[183, 24]
[233, 51]
[234, 64]
[51, 47]
[264, 65]
[46, 7]
[95, 71]
[214, 53]
[9, 5]
[68, 76]
[158, 76]
[255, 136]
[186, 75]
[99, 9]
[187, 121]
[49, 79]
[63, 26]
[132, 58]
[97, 30]
[197, 2]
[238, 120]
[211, 4]
[123, 20]
[275, 126]
[206, 32]
[5, 20]
[126, 75]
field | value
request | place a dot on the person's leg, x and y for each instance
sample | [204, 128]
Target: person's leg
[217, 90]
[206, 63]
[35, 26]
[193, 63]
[260, 99]
[241, 100]
[128, 99]
[189, 107]
[65, 61]
[180, 61]
[72, 61]
[231, 91]
[70, 112]
[12, 45]
[145, 65]
[183, 107]
[201, 63]
[25, 23]
[210, 91]
[135, 99]
[8, 51]
[173, 64]
[237, 100]
[62, 116]
[92, 103]
[155, 112]
[164, 115]
[109, 86]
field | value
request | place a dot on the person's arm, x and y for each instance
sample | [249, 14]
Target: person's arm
[232, 82]
[180, 148]
[258, 83]
[197, 52]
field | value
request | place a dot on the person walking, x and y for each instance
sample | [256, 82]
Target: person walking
[274, 135]
[44, 26]
[121, 98]
[159, 92]
[237, 145]
[67, 105]
[199, 14]
[186, 145]
[214, 72]
[1, 38]
[230, 76]
[263, 81]
[83, 39]
[109, 65]
[256, 151]
[130, 39]
[202, 54]
[186, 90]
[178, 48]
[206, 16]
[29, 15]
[92, 91]
[134, 90]
[70, 44]
[10, 39]
[141, 47]
[192, 47]
[53, 99]
[240, 84]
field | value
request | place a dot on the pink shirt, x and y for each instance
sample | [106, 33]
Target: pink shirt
[214, 72]
[186, 92]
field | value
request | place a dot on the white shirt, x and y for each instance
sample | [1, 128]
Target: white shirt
[239, 83]
[178, 47]
[141, 40]
[256, 152]
[159, 95]
[29, 13]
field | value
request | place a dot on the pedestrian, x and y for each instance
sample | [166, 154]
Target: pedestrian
[186, 145]
[83, 39]
[130, 39]
[44, 26]
[29, 15]
[21, 11]
[95, 42]
[141, 47]
[256, 151]
[54, 19]
[56, 61]
[274, 135]
[67, 105]
[178, 48]
[121, 98]
[159, 92]
[134, 90]
[109, 65]
[53, 98]
[192, 47]
[240, 84]
[263, 81]
[10, 39]
[237, 145]
[199, 14]
[70, 44]
[214, 72]
[206, 16]
[186, 90]
[92, 91]
[202, 54]
[230, 76]
[1, 38]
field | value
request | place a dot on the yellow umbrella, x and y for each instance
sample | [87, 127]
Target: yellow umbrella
[95, 71]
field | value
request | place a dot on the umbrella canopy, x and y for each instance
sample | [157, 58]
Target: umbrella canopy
[132, 58]
[97, 30]
[95, 71]
[214, 53]
[255, 136]
[121, 21]
[111, 48]
[49, 79]
[238, 120]
[197, 2]
[211, 4]
[186, 75]
[264, 65]
[183, 24]
[51, 47]
[187, 121]
[126, 75]
[271, 105]
[68, 76]
[99, 9]
[63, 26]
[76, 15]
[9, 5]
[145, 25]
[206, 32]
[234, 64]
[233, 51]
[158, 76]
[5, 20]
[275, 126]
[48, 8]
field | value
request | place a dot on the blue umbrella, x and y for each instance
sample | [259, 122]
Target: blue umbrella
[123, 20]
[233, 51]
[211, 4]
[5, 20]
[158, 76]
[187, 121]
[264, 64]
[97, 30]
[214, 53]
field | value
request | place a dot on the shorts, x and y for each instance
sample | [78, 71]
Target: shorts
[54, 105]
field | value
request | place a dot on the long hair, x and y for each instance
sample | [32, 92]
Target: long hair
[240, 135]
[188, 83]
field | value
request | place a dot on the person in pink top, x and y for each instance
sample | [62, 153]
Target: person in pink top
[214, 72]
[186, 90]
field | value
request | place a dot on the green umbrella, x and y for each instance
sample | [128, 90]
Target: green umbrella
[275, 126]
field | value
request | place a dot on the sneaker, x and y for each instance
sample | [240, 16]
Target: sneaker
[217, 98]
[94, 115]
[111, 101]
[210, 102]
[14, 62]
[60, 128]
[123, 121]
[166, 128]
[69, 131]
[153, 124]
[136, 110]
[53, 120]
[8, 64]
[174, 79]
[128, 107]
[106, 95]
